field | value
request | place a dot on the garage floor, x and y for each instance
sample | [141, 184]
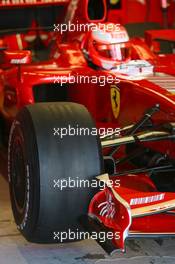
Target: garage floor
[15, 250]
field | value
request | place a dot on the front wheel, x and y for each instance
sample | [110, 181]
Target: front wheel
[39, 160]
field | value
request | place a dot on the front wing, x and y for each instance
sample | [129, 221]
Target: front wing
[129, 212]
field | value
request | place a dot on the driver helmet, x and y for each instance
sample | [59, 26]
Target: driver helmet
[108, 46]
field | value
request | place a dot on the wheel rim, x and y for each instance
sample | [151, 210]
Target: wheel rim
[18, 175]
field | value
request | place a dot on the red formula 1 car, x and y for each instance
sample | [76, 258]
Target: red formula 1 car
[113, 175]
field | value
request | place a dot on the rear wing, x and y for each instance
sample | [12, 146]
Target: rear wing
[29, 3]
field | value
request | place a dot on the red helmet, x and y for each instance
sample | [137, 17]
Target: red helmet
[108, 45]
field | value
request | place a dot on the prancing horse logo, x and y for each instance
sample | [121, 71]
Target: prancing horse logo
[115, 100]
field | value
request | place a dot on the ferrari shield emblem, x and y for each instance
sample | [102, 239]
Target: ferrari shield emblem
[115, 100]
[114, 2]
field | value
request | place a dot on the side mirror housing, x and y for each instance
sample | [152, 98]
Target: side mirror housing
[17, 57]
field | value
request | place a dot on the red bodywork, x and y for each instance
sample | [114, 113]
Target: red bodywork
[136, 208]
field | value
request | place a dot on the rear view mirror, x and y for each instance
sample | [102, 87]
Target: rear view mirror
[17, 57]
